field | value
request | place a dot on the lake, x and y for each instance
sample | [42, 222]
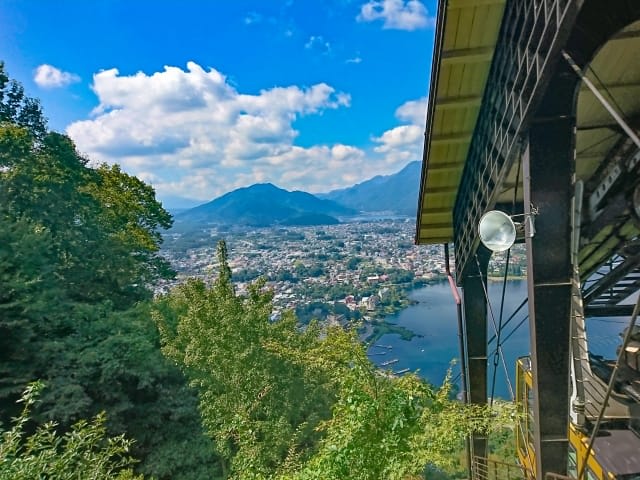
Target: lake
[434, 319]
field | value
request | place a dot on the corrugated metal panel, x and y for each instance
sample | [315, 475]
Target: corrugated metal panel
[470, 33]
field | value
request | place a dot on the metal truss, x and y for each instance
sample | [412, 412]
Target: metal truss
[613, 283]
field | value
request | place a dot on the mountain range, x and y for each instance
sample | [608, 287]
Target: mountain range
[265, 204]
[397, 193]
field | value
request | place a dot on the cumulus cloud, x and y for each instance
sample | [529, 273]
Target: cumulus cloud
[48, 76]
[413, 111]
[320, 168]
[404, 143]
[402, 136]
[192, 134]
[396, 14]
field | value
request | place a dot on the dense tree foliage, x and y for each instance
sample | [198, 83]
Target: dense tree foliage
[385, 427]
[103, 223]
[78, 255]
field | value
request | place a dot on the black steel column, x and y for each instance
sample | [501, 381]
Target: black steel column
[548, 168]
[475, 326]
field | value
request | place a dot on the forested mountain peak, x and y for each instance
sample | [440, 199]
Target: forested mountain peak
[264, 204]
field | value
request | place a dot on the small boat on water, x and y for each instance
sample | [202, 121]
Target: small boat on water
[400, 372]
[389, 362]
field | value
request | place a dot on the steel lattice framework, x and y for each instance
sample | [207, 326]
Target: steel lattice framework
[529, 45]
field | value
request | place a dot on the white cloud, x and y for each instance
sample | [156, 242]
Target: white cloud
[403, 143]
[319, 168]
[315, 169]
[192, 134]
[396, 14]
[413, 111]
[318, 43]
[48, 76]
[356, 59]
[398, 137]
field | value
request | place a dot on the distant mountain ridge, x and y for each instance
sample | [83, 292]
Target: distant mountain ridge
[264, 204]
[397, 193]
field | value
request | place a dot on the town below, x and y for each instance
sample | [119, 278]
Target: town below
[351, 274]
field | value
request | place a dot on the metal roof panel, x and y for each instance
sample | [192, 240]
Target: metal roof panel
[468, 33]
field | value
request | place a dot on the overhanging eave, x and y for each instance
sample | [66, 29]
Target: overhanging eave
[466, 35]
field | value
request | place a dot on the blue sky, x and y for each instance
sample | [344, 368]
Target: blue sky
[201, 97]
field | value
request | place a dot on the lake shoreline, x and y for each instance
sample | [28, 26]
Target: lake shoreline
[382, 326]
[430, 340]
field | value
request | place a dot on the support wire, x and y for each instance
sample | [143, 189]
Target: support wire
[515, 312]
[495, 328]
[498, 351]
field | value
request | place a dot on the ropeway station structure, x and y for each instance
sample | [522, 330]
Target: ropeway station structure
[534, 111]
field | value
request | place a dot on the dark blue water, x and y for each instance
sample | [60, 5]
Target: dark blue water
[435, 319]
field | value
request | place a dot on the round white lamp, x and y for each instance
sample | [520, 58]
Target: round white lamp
[497, 231]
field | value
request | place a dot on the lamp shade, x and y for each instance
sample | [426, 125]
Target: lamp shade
[497, 231]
